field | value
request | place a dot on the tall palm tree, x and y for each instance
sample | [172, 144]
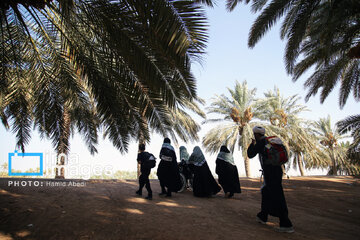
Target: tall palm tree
[324, 33]
[280, 111]
[352, 124]
[283, 115]
[330, 140]
[134, 57]
[305, 150]
[235, 113]
[347, 165]
[67, 113]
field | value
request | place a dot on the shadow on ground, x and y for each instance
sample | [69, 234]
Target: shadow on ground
[320, 208]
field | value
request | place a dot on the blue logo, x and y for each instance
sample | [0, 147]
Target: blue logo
[29, 157]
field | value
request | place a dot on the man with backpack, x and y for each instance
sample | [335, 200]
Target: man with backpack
[272, 195]
[146, 161]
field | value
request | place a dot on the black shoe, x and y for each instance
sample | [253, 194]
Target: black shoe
[168, 194]
[139, 193]
[261, 218]
[162, 193]
[230, 195]
[149, 197]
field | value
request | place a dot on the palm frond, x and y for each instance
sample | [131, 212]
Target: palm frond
[268, 17]
[130, 59]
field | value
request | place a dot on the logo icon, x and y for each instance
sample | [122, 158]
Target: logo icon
[25, 164]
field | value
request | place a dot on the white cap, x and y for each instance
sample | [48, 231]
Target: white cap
[259, 130]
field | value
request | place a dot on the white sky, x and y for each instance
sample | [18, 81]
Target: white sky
[228, 59]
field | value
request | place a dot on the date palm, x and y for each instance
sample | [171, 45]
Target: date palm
[105, 46]
[235, 114]
[330, 140]
[352, 124]
[280, 111]
[348, 166]
[304, 148]
[324, 35]
[283, 115]
[133, 57]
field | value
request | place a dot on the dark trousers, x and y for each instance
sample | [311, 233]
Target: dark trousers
[272, 196]
[144, 180]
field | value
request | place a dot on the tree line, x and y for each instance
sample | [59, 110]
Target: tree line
[311, 144]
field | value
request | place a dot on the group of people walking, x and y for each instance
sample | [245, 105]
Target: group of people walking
[204, 185]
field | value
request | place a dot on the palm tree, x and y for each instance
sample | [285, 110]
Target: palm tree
[347, 165]
[333, 51]
[66, 115]
[329, 139]
[305, 150]
[352, 124]
[237, 113]
[283, 115]
[325, 33]
[280, 111]
[133, 57]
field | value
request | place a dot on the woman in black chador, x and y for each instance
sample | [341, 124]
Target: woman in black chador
[204, 184]
[227, 172]
[168, 170]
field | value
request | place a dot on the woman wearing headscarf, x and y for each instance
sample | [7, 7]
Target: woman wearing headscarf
[184, 167]
[227, 172]
[184, 155]
[204, 184]
[168, 170]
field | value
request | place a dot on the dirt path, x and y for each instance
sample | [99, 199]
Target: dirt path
[320, 208]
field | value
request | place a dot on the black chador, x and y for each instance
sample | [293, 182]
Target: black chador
[227, 172]
[204, 184]
[168, 170]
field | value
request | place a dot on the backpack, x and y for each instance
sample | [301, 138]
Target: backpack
[150, 162]
[275, 151]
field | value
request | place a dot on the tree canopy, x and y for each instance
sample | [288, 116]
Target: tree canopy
[121, 65]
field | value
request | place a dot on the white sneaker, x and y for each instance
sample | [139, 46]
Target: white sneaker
[285, 229]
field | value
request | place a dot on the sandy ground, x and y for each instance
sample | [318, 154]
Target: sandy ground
[319, 207]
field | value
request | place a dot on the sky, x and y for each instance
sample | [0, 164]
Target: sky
[227, 60]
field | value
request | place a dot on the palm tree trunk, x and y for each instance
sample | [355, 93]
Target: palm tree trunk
[247, 166]
[300, 164]
[63, 145]
[333, 161]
